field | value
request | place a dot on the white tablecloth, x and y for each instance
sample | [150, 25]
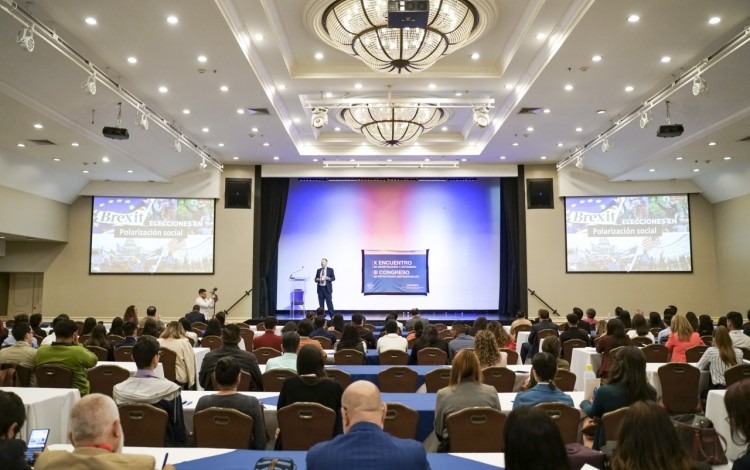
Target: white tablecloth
[47, 408]
[578, 361]
[521, 337]
[717, 412]
[200, 353]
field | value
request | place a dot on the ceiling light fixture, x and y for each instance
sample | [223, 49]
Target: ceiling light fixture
[699, 85]
[390, 164]
[579, 163]
[202, 165]
[481, 117]
[374, 33]
[25, 39]
[142, 118]
[89, 86]
[605, 145]
[319, 118]
[394, 124]
[645, 119]
[177, 145]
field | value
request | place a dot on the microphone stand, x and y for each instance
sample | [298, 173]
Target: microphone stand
[542, 301]
[247, 293]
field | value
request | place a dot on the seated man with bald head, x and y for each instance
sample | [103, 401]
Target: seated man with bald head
[364, 445]
[97, 438]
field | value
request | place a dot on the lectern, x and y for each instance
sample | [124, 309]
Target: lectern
[297, 286]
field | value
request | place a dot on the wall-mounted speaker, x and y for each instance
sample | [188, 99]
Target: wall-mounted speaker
[539, 194]
[237, 193]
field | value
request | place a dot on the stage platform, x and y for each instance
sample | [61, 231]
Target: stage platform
[434, 316]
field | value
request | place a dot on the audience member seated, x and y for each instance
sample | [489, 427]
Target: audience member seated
[627, 385]
[304, 328]
[129, 329]
[486, 350]
[573, 331]
[247, 360]
[502, 338]
[461, 339]
[465, 390]
[227, 375]
[98, 338]
[175, 340]
[640, 328]
[738, 411]
[359, 321]
[415, 332]
[590, 318]
[692, 318]
[311, 385]
[648, 440]
[416, 317]
[705, 326]
[131, 315]
[734, 325]
[10, 340]
[392, 340]
[625, 319]
[718, 358]
[531, 347]
[364, 444]
[12, 449]
[50, 338]
[189, 333]
[543, 368]
[289, 326]
[288, 358]
[147, 387]
[599, 330]
[394, 316]
[35, 322]
[66, 351]
[682, 338]
[88, 325]
[655, 321]
[519, 321]
[350, 339]
[150, 328]
[429, 339]
[480, 324]
[213, 328]
[195, 315]
[664, 334]
[269, 338]
[97, 438]
[552, 346]
[614, 338]
[337, 323]
[319, 323]
[22, 352]
[533, 441]
[116, 328]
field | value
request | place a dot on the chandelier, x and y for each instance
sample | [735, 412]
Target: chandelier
[392, 124]
[359, 28]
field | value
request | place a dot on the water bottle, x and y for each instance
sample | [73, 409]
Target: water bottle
[590, 382]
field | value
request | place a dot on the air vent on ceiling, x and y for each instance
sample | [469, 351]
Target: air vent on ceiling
[258, 112]
[42, 142]
[530, 110]
[746, 139]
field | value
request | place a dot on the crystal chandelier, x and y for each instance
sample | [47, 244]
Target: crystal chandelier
[359, 28]
[392, 124]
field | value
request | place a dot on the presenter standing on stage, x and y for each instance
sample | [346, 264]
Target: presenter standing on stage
[206, 301]
[324, 277]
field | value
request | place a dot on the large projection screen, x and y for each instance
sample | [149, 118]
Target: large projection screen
[622, 234]
[139, 235]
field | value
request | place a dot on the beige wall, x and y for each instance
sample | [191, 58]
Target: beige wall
[32, 216]
[545, 237]
[732, 226]
[69, 288]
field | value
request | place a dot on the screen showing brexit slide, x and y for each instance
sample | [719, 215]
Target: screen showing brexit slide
[137, 235]
[395, 272]
[628, 234]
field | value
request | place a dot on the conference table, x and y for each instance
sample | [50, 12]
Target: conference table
[47, 408]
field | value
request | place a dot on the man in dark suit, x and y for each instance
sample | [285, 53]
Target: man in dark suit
[532, 346]
[364, 444]
[358, 320]
[324, 277]
[195, 315]
[573, 331]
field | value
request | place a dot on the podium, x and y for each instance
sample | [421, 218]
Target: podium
[297, 287]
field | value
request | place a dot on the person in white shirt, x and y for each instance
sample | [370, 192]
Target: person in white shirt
[392, 340]
[734, 324]
[288, 360]
[640, 328]
[206, 303]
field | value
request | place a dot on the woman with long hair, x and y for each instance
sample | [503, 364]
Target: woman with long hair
[720, 357]
[464, 390]
[648, 440]
[544, 390]
[98, 338]
[337, 323]
[416, 332]
[350, 339]
[88, 324]
[486, 350]
[738, 411]
[150, 328]
[116, 327]
[655, 321]
[705, 325]
[429, 339]
[175, 340]
[600, 329]
[692, 318]
[479, 324]
[213, 328]
[627, 384]
[682, 338]
[640, 328]
[625, 319]
[614, 338]
[534, 442]
[502, 338]
[131, 314]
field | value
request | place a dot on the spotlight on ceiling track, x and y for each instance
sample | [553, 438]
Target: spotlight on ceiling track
[645, 119]
[177, 145]
[481, 116]
[202, 165]
[579, 163]
[699, 85]
[25, 39]
[142, 118]
[319, 117]
[605, 145]
[89, 86]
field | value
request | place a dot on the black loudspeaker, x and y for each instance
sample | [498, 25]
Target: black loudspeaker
[237, 193]
[539, 194]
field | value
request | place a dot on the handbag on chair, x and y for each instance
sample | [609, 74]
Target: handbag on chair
[700, 439]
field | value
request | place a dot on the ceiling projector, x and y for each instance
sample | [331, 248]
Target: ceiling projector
[670, 130]
[117, 133]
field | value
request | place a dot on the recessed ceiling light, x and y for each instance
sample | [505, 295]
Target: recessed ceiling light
[463, 159]
[597, 58]
[105, 159]
[416, 144]
[502, 157]
[634, 18]
[547, 111]
[185, 111]
[543, 157]
[458, 93]
[508, 86]
[711, 144]
[515, 144]
[130, 171]
[315, 159]
[678, 158]
[579, 129]
[559, 144]
[275, 157]
[296, 120]
[352, 160]
[282, 87]
[205, 129]
[389, 160]
[240, 111]
[163, 89]
[132, 60]
[666, 59]
[55, 159]
[568, 87]
[235, 158]
[85, 171]
[529, 129]
[172, 19]
[202, 59]
[266, 144]
[21, 145]
[714, 20]
[651, 170]
[601, 111]
[727, 157]
[337, 129]
[224, 88]
[444, 128]
[38, 126]
[254, 129]
[329, 94]
[90, 20]
[629, 88]
[431, 86]
[221, 144]
[696, 170]
[319, 55]
[74, 144]
[358, 86]
[541, 36]
[475, 56]
[259, 37]
[427, 159]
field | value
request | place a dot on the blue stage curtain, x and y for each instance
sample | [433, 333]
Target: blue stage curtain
[274, 193]
[510, 248]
